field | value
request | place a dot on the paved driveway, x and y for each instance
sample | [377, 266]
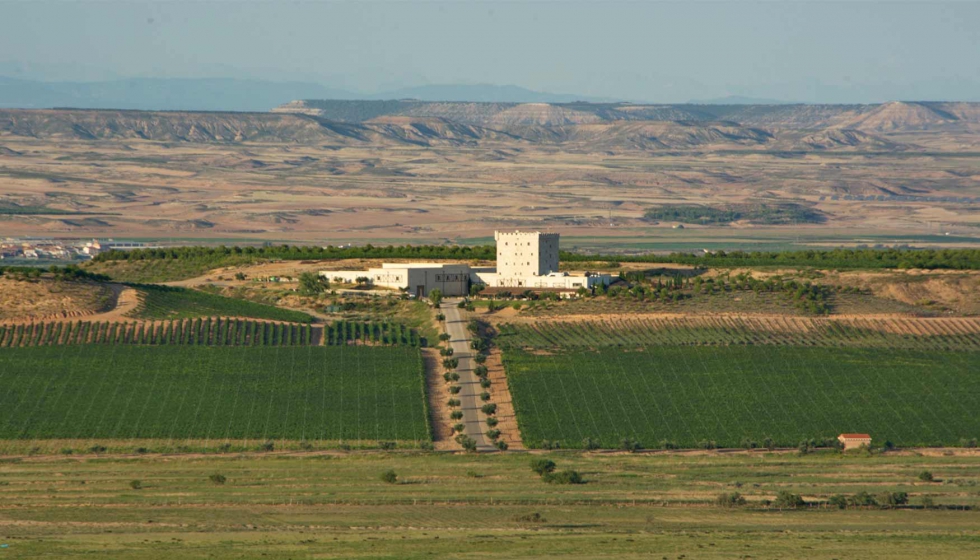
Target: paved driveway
[469, 394]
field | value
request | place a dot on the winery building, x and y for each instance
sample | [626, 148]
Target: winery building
[525, 260]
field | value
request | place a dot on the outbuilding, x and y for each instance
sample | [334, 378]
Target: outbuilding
[854, 441]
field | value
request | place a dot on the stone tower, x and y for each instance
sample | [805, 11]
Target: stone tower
[521, 255]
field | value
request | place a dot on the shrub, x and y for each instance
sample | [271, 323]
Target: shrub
[489, 409]
[435, 296]
[453, 403]
[787, 500]
[66, 451]
[455, 389]
[459, 428]
[480, 358]
[862, 499]
[446, 352]
[217, 479]
[749, 443]
[590, 444]
[543, 466]
[563, 477]
[485, 383]
[142, 450]
[97, 449]
[426, 446]
[444, 337]
[631, 445]
[501, 444]
[550, 444]
[456, 415]
[769, 443]
[467, 443]
[706, 444]
[224, 448]
[926, 476]
[136, 484]
[492, 421]
[305, 445]
[391, 477]
[480, 371]
[268, 446]
[493, 434]
[972, 442]
[530, 518]
[894, 498]
[667, 444]
[454, 376]
[730, 500]
[927, 502]
[484, 396]
[386, 445]
[838, 501]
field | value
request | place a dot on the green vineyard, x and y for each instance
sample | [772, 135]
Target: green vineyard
[938, 334]
[721, 382]
[334, 393]
[164, 302]
[210, 331]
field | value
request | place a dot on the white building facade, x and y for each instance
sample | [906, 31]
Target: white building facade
[525, 260]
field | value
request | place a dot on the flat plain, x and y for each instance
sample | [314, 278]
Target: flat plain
[226, 178]
[461, 506]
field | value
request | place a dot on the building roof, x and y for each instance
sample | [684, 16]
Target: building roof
[855, 436]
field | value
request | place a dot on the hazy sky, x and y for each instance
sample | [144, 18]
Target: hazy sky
[652, 51]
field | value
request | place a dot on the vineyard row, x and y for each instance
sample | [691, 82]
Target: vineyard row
[206, 332]
[942, 334]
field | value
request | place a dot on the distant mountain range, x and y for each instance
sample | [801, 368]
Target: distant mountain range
[225, 94]
[577, 126]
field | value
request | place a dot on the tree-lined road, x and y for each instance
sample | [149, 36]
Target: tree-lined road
[469, 395]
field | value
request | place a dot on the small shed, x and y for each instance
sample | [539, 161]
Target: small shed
[854, 441]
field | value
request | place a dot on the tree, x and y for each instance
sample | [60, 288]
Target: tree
[926, 476]
[786, 499]
[435, 296]
[543, 466]
[730, 500]
[311, 284]
[391, 477]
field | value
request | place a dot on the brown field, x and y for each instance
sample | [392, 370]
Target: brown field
[47, 299]
[389, 189]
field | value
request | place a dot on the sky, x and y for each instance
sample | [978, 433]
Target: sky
[670, 52]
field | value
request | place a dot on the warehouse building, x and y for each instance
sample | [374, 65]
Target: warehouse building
[526, 260]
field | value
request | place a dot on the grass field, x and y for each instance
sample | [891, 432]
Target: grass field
[162, 302]
[223, 394]
[468, 506]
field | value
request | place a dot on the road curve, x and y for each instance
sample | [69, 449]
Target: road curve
[469, 383]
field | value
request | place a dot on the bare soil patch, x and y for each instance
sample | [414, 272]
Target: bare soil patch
[438, 391]
[47, 299]
[500, 394]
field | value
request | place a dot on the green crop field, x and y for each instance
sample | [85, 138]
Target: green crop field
[694, 385]
[119, 392]
[163, 302]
